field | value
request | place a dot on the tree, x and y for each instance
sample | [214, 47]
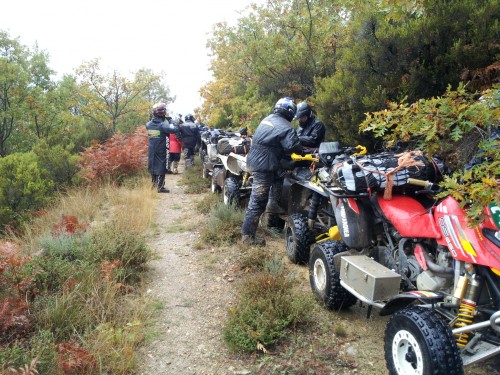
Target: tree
[108, 99]
[14, 80]
[413, 50]
[275, 51]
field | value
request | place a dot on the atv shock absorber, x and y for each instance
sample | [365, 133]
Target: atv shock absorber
[245, 179]
[467, 310]
[313, 210]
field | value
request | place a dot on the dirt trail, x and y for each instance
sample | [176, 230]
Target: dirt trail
[189, 338]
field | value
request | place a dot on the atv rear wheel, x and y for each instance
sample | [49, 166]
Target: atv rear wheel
[231, 192]
[297, 239]
[325, 280]
[418, 341]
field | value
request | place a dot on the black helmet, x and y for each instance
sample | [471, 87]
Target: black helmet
[286, 107]
[303, 109]
[189, 117]
[159, 109]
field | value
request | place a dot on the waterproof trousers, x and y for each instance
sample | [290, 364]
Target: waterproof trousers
[266, 187]
[188, 156]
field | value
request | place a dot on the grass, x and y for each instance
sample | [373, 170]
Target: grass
[193, 181]
[85, 311]
[223, 226]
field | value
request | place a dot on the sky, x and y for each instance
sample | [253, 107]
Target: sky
[162, 35]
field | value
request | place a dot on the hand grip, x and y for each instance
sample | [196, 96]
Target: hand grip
[414, 181]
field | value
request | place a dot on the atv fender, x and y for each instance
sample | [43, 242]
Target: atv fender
[310, 186]
[404, 299]
[299, 193]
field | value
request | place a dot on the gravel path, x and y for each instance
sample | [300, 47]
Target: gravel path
[195, 298]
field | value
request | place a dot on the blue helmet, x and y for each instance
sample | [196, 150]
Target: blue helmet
[286, 107]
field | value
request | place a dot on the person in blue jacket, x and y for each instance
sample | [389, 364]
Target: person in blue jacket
[274, 138]
[158, 132]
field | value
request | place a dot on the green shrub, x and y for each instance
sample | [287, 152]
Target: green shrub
[59, 163]
[112, 242]
[266, 308]
[256, 258]
[66, 247]
[62, 260]
[24, 187]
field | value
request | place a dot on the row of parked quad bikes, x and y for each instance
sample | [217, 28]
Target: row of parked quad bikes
[371, 228]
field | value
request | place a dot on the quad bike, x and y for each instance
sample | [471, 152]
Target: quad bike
[416, 257]
[211, 163]
[235, 179]
[230, 174]
[309, 211]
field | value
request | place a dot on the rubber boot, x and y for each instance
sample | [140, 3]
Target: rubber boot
[273, 206]
[252, 240]
[175, 164]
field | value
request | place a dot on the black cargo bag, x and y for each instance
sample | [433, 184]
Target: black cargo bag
[239, 146]
[385, 171]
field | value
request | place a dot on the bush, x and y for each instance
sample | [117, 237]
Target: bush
[39, 350]
[266, 308]
[119, 157]
[59, 163]
[112, 243]
[24, 187]
[454, 127]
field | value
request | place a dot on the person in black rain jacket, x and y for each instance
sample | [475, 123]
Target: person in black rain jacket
[190, 137]
[274, 138]
[311, 131]
[158, 131]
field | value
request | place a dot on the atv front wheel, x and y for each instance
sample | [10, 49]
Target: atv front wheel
[324, 279]
[231, 192]
[297, 239]
[417, 341]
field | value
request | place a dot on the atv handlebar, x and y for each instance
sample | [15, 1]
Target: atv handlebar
[429, 187]
[360, 150]
[416, 182]
[308, 157]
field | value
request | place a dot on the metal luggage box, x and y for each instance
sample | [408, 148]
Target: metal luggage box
[369, 278]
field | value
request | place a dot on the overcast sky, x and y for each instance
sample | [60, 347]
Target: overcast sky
[161, 35]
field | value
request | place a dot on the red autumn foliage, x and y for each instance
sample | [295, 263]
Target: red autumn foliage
[107, 267]
[16, 289]
[9, 249]
[69, 225]
[74, 360]
[121, 155]
[14, 318]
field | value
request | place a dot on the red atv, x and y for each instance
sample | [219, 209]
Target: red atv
[416, 258]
